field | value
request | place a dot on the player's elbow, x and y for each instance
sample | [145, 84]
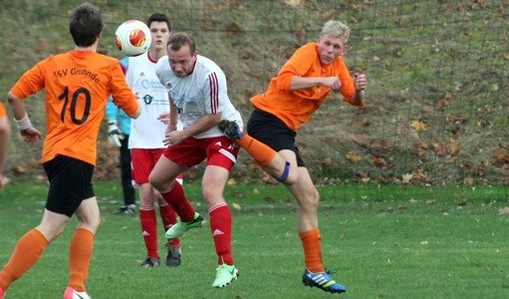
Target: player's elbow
[136, 114]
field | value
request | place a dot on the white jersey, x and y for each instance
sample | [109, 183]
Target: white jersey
[147, 132]
[202, 92]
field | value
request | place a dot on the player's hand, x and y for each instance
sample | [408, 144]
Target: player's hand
[173, 138]
[360, 81]
[114, 135]
[164, 118]
[332, 82]
[31, 135]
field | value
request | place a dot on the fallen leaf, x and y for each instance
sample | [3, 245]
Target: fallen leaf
[418, 125]
[503, 210]
[353, 157]
[407, 177]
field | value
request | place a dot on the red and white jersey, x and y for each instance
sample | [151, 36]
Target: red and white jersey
[147, 131]
[202, 92]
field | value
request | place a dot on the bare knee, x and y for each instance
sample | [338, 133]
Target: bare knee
[156, 181]
[310, 200]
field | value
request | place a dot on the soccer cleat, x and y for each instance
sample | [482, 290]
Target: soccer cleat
[178, 229]
[127, 210]
[230, 129]
[225, 274]
[150, 262]
[322, 280]
[173, 257]
[71, 293]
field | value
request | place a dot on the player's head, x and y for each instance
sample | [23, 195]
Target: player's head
[182, 53]
[159, 17]
[160, 28]
[336, 29]
[86, 25]
[332, 41]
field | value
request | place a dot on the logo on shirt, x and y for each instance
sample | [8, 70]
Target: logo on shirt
[148, 99]
[142, 74]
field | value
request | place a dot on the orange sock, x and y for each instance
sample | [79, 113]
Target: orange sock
[26, 253]
[312, 250]
[80, 253]
[261, 152]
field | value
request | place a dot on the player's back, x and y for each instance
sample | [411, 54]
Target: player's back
[77, 86]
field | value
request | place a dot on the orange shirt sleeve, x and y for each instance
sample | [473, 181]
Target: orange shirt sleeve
[3, 111]
[122, 96]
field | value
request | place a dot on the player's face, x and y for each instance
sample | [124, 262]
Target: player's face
[160, 35]
[182, 61]
[330, 48]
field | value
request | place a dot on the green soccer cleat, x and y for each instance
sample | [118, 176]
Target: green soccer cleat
[225, 274]
[177, 230]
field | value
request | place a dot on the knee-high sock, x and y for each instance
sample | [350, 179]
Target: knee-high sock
[169, 218]
[260, 152]
[178, 201]
[148, 221]
[312, 250]
[27, 252]
[221, 227]
[80, 254]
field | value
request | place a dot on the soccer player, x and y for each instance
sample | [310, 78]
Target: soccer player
[5, 138]
[292, 97]
[77, 85]
[198, 93]
[146, 140]
[119, 128]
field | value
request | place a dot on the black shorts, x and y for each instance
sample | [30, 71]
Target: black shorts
[70, 183]
[269, 129]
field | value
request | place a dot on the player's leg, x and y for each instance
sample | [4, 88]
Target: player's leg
[82, 244]
[163, 179]
[221, 159]
[307, 224]
[129, 207]
[266, 136]
[142, 165]
[30, 248]
[168, 217]
[76, 186]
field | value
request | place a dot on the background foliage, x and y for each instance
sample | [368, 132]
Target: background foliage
[437, 70]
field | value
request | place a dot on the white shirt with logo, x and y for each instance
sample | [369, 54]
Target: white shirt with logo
[147, 132]
[202, 92]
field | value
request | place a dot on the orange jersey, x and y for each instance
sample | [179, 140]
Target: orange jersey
[3, 112]
[77, 85]
[296, 107]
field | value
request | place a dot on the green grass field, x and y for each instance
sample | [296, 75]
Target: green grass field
[383, 243]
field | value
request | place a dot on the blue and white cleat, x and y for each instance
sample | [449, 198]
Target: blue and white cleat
[322, 280]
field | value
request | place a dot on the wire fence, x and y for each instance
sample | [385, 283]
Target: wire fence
[437, 94]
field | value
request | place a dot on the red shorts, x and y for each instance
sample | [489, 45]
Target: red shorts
[218, 151]
[143, 161]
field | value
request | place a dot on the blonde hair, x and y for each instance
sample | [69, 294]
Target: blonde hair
[336, 29]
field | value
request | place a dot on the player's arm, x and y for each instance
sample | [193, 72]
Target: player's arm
[29, 133]
[298, 83]
[202, 124]
[5, 137]
[360, 84]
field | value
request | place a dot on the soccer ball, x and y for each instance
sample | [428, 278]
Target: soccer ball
[133, 38]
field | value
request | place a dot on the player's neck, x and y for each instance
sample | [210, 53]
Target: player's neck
[91, 48]
[156, 54]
